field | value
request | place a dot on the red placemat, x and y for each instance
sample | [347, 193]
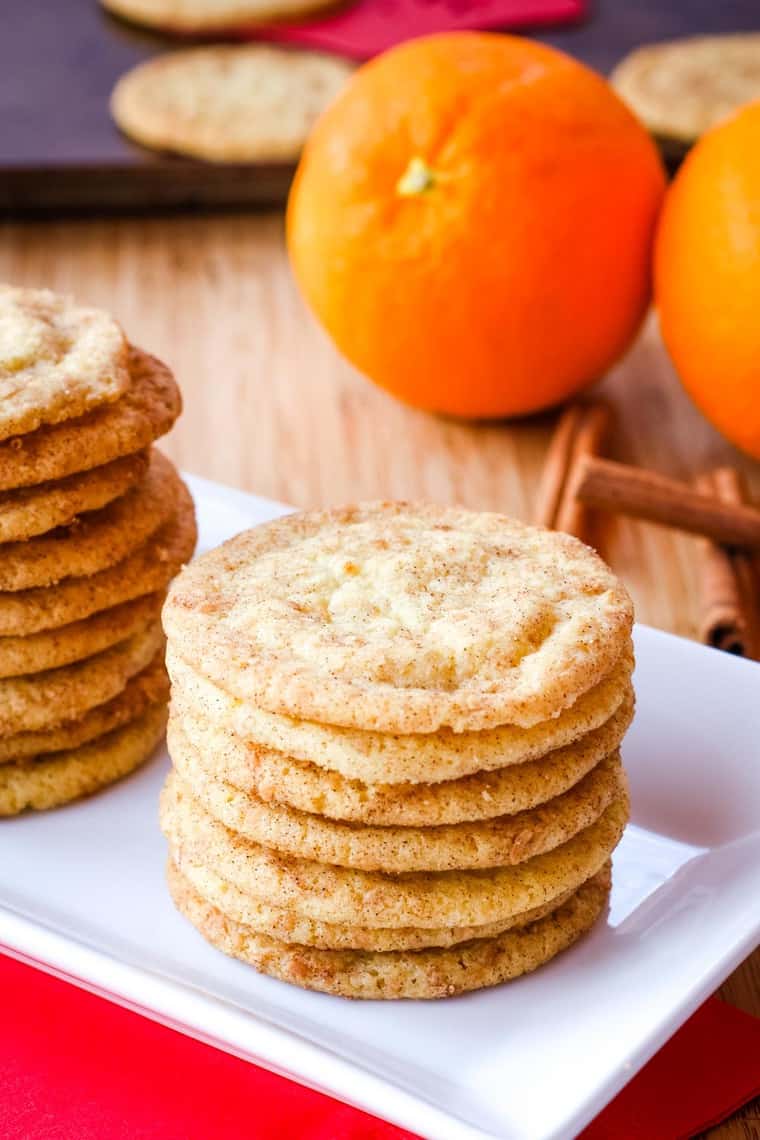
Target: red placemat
[75, 1067]
[366, 27]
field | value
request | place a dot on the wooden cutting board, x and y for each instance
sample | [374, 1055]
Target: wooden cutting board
[59, 60]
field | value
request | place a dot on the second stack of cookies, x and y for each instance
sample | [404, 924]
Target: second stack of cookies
[94, 522]
[395, 733]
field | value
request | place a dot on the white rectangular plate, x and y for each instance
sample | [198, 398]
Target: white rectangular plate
[82, 894]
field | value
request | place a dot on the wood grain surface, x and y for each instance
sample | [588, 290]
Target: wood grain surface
[271, 408]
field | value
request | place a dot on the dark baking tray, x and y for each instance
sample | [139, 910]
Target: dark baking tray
[59, 60]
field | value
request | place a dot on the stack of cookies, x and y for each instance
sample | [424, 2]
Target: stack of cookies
[395, 733]
[93, 525]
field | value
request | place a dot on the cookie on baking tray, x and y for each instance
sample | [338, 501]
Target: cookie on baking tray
[681, 88]
[239, 103]
[211, 15]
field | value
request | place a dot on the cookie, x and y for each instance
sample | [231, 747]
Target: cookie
[399, 974]
[146, 411]
[48, 782]
[290, 926]
[276, 778]
[382, 758]
[58, 359]
[682, 88]
[148, 569]
[402, 618]
[97, 540]
[45, 700]
[56, 647]
[372, 899]
[146, 688]
[229, 104]
[30, 511]
[503, 841]
[209, 15]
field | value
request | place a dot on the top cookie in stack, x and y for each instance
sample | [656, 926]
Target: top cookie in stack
[93, 525]
[395, 735]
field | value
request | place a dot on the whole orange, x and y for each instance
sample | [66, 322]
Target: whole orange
[707, 276]
[472, 222]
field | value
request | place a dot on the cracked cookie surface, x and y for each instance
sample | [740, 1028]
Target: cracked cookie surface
[58, 359]
[403, 618]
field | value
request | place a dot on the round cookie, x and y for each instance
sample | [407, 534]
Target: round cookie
[383, 758]
[97, 540]
[30, 511]
[49, 782]
[45, 700]
[399, 974]
[20, 656]
[210, 15]
[503, 841]
[290, 926]
[146, 411]
[682, 88]
[58, 359]
[148, 569]
[372, 899]
[402, 618]
[276, 778]
[241, 103]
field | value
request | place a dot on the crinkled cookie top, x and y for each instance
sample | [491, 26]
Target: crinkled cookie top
[57, 359]
[402, 618]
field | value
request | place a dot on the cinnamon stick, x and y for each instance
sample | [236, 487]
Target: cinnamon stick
[557, 466]
[573, 516]
[609, 486]
[579, 433]
[730, 610]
